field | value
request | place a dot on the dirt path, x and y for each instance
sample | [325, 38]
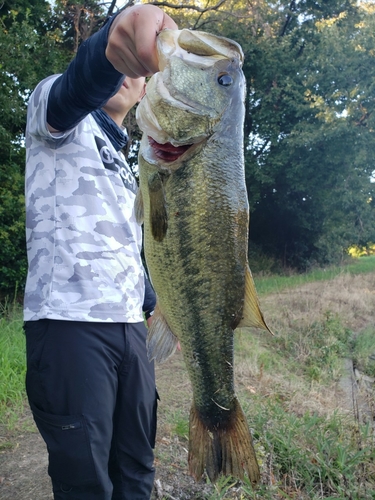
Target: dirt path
[23, 468]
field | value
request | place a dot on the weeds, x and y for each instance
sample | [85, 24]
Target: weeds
[12, 364]
[307, 457]
[316, 350]
[364, 351]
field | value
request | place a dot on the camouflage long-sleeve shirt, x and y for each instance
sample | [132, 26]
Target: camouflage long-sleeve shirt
[83, 242]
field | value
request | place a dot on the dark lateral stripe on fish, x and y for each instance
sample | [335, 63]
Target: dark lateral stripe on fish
[158, 209]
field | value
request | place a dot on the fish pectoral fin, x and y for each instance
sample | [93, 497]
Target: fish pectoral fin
[158, 207]
[161, 341]
[138, 207]
[252, 316]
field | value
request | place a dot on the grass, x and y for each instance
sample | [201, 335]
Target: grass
[314, 456]
[316, 350]
[364, 351]
[12, 364]
[307, 446]
[276, 283]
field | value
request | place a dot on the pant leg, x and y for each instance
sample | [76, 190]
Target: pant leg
[132, 457]
[72, 383]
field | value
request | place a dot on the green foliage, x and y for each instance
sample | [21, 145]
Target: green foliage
[181, 425]
[364, 351]
[312, 456]
[307, 457]
[78, 21]
[13, 262]
[315, 350]
[309, 129]
[309, 125]
[12, 363]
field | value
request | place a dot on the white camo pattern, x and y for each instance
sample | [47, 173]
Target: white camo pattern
[83, 242]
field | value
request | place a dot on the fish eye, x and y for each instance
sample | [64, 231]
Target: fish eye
[225, 80]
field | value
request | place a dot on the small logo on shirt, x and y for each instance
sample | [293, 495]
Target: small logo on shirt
[105, 154]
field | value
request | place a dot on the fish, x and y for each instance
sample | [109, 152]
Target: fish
[193, 202]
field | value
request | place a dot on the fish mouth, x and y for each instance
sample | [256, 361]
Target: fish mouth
[167, 152]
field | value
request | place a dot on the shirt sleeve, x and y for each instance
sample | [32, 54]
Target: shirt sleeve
[88, 83]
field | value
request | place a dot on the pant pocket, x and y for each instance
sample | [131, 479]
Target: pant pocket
[69, 450]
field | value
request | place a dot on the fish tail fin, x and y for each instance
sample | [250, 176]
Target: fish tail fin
[228, 450]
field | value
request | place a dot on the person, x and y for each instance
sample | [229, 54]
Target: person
[90, 385]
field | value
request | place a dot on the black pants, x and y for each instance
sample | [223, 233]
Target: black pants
[92, 392]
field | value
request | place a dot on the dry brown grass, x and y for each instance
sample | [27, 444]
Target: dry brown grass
[351, 297]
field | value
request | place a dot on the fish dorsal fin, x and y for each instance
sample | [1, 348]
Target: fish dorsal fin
[138, 207]
[252, 315]
[161, 341]
[158, 207]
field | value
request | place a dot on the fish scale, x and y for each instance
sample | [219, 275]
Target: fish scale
[195, 213]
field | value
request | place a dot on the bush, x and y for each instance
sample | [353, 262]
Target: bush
[13, 260]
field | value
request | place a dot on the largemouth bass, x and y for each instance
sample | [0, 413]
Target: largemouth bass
[194, 205]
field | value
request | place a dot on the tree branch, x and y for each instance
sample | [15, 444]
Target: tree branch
[111, 8]
[191, 7]
[292, 7]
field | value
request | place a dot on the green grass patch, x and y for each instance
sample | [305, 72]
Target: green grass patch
[308, 457]
[364, 351]
[12, 365]
[316, 350]
[181, 425]
[276, 283]
[313, 456]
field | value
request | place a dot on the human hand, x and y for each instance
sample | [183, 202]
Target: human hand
[131, 47]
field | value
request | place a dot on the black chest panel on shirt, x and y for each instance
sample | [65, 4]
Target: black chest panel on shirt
[116, 165]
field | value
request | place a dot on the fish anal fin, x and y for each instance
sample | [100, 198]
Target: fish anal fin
[252, 316]
[161, 341]
[226, 450]
[158, 207]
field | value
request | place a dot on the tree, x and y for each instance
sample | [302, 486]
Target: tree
[309, 135]
[29, 52]
[308, 161]
[309, 127]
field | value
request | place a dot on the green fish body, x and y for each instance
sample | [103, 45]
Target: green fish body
[194, 206]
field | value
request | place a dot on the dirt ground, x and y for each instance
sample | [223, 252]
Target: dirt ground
[23, 457]
[23, 473]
